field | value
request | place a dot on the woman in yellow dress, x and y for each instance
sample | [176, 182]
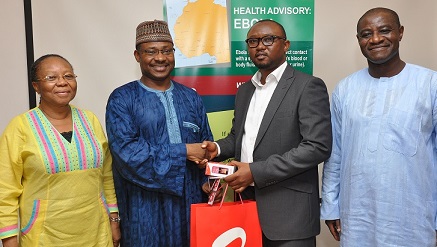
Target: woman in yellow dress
[56, 186]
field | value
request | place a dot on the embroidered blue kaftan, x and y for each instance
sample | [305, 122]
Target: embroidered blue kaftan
[381, 179]
[155, 183]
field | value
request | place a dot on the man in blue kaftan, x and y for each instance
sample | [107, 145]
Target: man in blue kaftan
[380, 183]
[153, 125]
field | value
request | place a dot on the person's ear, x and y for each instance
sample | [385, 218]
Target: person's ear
[401, 32]
[35, 86]
[137, 56]
[286, 45]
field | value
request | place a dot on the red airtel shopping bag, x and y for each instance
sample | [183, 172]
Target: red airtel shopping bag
[232, 224]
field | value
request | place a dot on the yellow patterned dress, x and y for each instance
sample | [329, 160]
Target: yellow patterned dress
[54, 192]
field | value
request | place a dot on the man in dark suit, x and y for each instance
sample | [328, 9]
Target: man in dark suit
[281, 131]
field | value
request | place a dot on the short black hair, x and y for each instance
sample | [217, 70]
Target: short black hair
[35, 66]
[381, 9]
[269, 20]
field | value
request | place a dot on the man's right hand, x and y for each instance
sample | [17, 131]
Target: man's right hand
[334, 227]
[201, 153]
[197, 154]
[211, 150]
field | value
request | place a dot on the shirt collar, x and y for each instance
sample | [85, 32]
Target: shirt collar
[154, 90]
[274, 76]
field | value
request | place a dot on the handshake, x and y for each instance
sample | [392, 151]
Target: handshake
[201, 153]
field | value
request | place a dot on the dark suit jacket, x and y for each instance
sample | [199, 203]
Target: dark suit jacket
[294, 137]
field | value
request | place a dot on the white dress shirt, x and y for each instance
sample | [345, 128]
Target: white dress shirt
[258, 105]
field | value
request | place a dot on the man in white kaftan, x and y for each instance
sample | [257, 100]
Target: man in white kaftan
[380, 183]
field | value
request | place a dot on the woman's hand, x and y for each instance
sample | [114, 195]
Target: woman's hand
[10, 242]
[115, 228]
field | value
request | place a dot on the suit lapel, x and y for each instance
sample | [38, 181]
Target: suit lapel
[247, 95]
[278, 95]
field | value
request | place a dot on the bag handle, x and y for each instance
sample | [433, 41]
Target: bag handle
[216, 187]
[223, 198]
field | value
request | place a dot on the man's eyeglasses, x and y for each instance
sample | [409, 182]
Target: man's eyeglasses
[266, 40]
[154, 52]
[53, 78]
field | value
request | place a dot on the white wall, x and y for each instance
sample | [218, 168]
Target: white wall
[13, 75]
[103, 54]
[101, 45]
[336, 51]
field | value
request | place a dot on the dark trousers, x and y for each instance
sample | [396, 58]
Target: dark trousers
[249, 193]
[308, 242]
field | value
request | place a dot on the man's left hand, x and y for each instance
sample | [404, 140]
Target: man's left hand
[241, 178]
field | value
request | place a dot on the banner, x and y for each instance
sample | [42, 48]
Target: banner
[211, 55]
